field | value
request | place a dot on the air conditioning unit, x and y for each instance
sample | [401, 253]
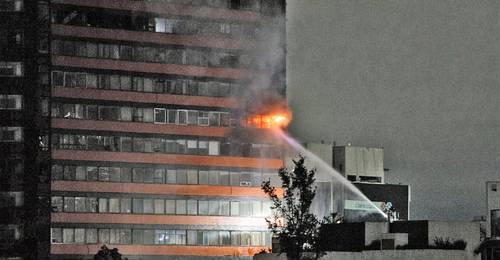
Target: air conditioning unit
[245, 183]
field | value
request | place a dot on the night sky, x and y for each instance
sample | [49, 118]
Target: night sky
[419, 78]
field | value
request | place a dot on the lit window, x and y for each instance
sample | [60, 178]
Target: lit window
[11, 5]
[11, 69]
[10, 134]
[13, 102]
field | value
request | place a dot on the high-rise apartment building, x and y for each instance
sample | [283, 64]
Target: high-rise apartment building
[143, 105]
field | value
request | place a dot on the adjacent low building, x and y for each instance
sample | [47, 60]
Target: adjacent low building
[490, 247]
[364, 168]
[398, 240]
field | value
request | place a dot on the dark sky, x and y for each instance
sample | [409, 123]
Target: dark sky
[419, 78]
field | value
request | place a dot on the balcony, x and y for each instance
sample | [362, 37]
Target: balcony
[149, 128]
[61, 249]
[155, 158]
[165, 8]
[151, 37]
[158, 68]
[158, 189]
[141, 97]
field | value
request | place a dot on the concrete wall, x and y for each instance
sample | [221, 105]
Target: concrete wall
[374, 231]
[385, 255]
[362, 161]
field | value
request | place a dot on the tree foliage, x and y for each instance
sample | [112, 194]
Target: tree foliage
[296, 228]
[108, 254]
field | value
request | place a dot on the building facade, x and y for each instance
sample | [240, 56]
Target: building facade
[24, 129]
[142, 104]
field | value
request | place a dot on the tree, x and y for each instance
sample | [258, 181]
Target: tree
[108, 254]
[292, 222]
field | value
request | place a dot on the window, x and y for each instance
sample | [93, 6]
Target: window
[57, 78]
[11, 69]
[160, 115]
[69, 204]
[137, 206]
[10, 134]
[80, 204]
[213, 207]
[103, 205]
[91, 235]
[79, 235]
[495, 223]
[56, 235]
[104, 236]
[192, 146]
[147, 206]
[11, 102]
[182, 117]
[203, 207]
[192, 176]
[235, 208]
[192, 117]
[159, 206]
[68, 235]
[180, 207]
[172, 116]
[126, 205]
[11, 5]
[148, 115]
[203, 147]
[171, 176]
[213, 148]
[170, 206]
[493, 187]
[114, 205]
[57, 204]
[192, 207]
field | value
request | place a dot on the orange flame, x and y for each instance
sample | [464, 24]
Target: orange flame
[274, 120]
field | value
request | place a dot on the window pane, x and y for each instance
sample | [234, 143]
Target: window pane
[213, 148]
[69, 204]
[104, 236]
[103, 205]
[91, 236]
[192, 176]
[57, 204]
[68, 235]
[170, 206]
[224, 208]
[137, 204]
[159, 205]
[192, 207]
[235, 208]
[180, 208]
[171, 176]
[160, 115]
[114, 205]
[79, 235]
[213, 177]
[80, 204]
[203, 207]
[56, 235]
[126, 174]
[213, 208]
[126, 205]
[148, 207]
[181, 176]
